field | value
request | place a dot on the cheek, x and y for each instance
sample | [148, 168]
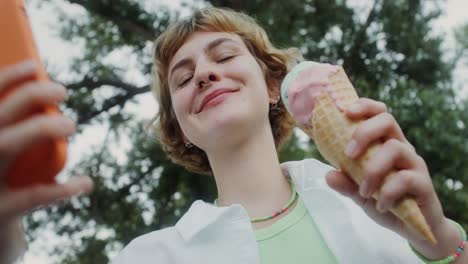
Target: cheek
[256, 81]
[248, 72]
[180, 115]
[180, 103]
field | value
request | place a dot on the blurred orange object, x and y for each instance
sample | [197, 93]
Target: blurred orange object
[43, 161]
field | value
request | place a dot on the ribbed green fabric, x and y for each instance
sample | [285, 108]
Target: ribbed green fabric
[293, 239]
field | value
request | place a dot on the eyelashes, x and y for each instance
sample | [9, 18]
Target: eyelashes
[186, 78]
[183, 83]
[224, 59]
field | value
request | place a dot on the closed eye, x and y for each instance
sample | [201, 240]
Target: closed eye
[185, 81]
[224, 59]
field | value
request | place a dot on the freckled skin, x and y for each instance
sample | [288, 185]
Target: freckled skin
[240, 113]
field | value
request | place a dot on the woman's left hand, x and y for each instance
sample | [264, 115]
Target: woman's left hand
[411, 177]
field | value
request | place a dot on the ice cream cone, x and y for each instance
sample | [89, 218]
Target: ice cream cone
[332, 131]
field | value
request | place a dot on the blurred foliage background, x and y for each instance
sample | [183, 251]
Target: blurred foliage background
[389, 51]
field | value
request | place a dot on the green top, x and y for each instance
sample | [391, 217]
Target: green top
[293, 239]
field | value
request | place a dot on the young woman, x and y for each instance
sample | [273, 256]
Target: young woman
[218, 79]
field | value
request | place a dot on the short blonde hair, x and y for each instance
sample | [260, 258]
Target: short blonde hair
[275, 63]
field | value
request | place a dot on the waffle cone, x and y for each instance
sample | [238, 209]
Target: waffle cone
[332, 131]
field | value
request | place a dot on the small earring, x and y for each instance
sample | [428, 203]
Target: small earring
[189, 145]
[275, 105]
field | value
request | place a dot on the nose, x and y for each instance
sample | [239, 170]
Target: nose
[202, 83]
[205, 76]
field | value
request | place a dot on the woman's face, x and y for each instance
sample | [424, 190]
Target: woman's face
[218, 90]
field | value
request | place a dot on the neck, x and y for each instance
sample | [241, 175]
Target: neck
[249, 173]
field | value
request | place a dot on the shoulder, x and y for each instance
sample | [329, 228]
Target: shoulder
[307, 173]
[306, 167]
[310, 163]
[152, 247]
[180, 242]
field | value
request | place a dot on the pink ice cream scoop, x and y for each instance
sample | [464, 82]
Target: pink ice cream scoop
[305, 82]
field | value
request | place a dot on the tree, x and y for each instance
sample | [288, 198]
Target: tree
[461, 34]
[391, 55]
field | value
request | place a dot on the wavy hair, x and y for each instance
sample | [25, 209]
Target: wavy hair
[274, 62]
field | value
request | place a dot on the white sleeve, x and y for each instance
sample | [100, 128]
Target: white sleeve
[131, 255]
[150, 248]
[389, 245]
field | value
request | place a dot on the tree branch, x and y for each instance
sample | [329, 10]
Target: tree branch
[119, 99]
[234, 4]
[106, 10]
[359, 38]
[129, 91]
[92, 84]
[127, 25]
[125, 190]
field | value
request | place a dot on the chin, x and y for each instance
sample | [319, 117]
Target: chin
[228, 121]
[225, 124]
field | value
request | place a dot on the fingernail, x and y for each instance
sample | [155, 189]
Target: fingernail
[28, 63]
[27, 66]
[340, 105]
[351, 149]
[364, 189]
[381, 207]
[84, 185]
[55, 87]
[354, 108]
[68, 124]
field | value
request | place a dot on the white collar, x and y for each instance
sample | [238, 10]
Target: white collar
[195, 219]
[201, 215]
[330, 214]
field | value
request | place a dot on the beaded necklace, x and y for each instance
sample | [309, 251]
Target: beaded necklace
[275, 214]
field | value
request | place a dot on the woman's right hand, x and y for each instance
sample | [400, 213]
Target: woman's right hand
[18, 136]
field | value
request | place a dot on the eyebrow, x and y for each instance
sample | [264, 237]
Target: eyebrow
[213, 44]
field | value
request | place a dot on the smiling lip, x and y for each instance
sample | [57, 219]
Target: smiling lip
[212, 96]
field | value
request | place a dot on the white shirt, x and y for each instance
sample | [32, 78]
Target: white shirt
[212, 235]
